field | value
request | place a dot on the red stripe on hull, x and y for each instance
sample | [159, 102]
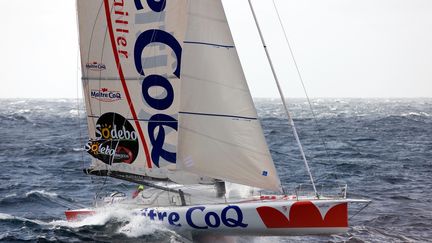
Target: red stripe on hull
[73, 215]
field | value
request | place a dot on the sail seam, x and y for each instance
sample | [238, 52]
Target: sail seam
[123, 81]
[89, 78]
[218, 115]
[137, 119]
[208, 44]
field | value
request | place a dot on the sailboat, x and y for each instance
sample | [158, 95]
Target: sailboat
[168, 107]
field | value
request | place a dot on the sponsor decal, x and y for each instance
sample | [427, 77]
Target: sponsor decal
[160, 120]
[121, 28]
[200, 217]
[160, 123]
[116, 140]
[95, 66]
[336, 216]
[105, 95]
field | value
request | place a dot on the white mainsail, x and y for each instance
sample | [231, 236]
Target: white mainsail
[220, 135]
[131, 54]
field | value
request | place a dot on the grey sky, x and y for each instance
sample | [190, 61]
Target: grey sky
[344, 48]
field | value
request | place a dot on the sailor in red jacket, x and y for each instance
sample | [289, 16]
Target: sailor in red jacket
[137, 191]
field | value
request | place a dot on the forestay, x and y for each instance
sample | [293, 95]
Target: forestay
[219, 134]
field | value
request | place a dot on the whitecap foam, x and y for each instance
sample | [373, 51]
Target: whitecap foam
[138, 226]
[5, 216]
[10, 195]
[103, 215]
[422, 113]
[42, 192]
[135, 225]
[21, 111]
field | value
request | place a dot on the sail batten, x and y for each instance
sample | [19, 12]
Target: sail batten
[209, 44]
[217, 115]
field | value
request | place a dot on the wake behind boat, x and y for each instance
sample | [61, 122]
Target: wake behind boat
[168, 107]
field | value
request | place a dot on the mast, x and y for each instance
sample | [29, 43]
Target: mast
[291, 121]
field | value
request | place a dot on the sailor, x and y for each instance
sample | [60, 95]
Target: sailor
[137, 191]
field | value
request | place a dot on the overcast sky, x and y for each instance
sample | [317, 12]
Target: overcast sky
[344, 48]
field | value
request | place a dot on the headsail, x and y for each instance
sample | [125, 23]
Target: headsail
[219, 134]
[131, 54]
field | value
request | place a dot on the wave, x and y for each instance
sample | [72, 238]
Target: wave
[420, 114]
[364, 140]
[15, 118]
[42, 192]
[108, 223]
[381, 150]
[15, 219]
[37, 196]
[121, 221]
[31, 194]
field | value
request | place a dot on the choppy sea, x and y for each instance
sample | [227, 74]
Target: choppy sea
[381, 148]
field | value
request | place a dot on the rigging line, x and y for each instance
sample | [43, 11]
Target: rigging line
[123, 82]
[100, 103]
[105, 179]
[161, 13]
[284, 101]
[367, 204]
[334, 175]
[78, 110]
[81, 145]
[88, 58]
[301, 80]
[153, 38]
[99, 84]
[87, 87]
[78, 84]
[101, 59]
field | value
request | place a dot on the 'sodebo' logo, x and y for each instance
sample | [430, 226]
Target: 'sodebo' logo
[105, 95]
[95, 66]
[116, 140]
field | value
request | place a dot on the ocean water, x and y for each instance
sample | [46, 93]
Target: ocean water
[381, 148]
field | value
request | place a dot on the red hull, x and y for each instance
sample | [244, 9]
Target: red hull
[73, 215]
